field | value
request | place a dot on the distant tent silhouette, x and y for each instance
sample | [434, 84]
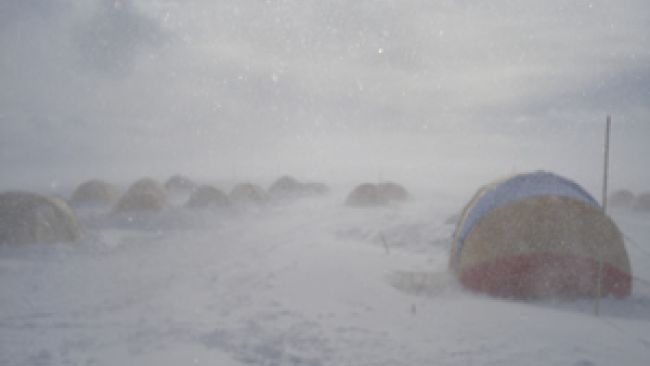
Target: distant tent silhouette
[286, 186]
[145, 195]
[643, 202]
[393, 191]
[289, 187]
[94, 193]
[539, 235]
[369, 194]
[248, 193]
[207, 197]
[622, 198]
[366, 195]
[179, 183]
[33, 218]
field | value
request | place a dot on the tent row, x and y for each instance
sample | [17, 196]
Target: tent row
[533, 235]
[149, 195]
[27, 217]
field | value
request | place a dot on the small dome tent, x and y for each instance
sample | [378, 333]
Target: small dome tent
[179, 183]
[539, 235]
[248, 193]
[369, 194]
[94, 193]
[366, 195]
[622, 198]
[32, 218]
[393, 191]
[145, 195]
[286, 186]
[207, 197]
[290, 187]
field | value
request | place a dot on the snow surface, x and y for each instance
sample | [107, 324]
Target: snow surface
[302, 283]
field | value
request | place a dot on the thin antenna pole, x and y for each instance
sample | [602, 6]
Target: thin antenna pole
[606, 168]
[599, 280]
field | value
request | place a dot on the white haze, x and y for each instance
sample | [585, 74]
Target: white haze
[430, 93]
[441, 96]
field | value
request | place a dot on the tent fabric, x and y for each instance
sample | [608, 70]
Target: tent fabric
[27, 218]
[248, 193]
[545, 246]
[145, 195]
[517, 188]
[380, 194]
[94, 193]
[539, 242]
[206, 196]
[179, 183]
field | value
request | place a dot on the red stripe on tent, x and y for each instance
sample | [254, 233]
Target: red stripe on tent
[546, 275]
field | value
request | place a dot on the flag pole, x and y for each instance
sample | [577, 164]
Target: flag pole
[599, 286]
[608, 126]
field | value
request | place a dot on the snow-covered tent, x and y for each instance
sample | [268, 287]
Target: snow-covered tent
[393, 191]
[207, 197]
[366, 195]
[369, 194]
[286, 186]
[539, 235]
[94, 193]
[289, 187]
[145, 195]
[179, 183]
[248, 193]
[33, 218]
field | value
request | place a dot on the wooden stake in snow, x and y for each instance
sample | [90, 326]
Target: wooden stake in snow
[608, 125]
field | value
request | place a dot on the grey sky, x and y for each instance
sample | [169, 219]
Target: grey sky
[461, 91]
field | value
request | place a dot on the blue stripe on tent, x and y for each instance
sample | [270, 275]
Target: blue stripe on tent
[517, 188]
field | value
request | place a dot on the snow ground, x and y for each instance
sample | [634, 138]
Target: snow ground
[302, 283]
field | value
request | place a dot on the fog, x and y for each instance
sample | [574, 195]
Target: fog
[441, 97]
[430, 93]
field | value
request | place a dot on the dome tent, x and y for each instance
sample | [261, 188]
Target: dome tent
[366, 195]
[622, 198]
[248, 193]
[538, 235]
[179, 183]
[94, 193]
[33, 218]
[145, 195]
[393, 191]
[286, 186]
[207, 197]
[289, 187]
[381, 194]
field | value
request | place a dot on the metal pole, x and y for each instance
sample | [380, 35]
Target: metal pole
[606, 168]
[604, 203]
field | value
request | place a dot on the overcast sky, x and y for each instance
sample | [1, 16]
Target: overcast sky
[433, 92]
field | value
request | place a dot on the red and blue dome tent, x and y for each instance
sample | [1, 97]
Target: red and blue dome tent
[539, 235]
